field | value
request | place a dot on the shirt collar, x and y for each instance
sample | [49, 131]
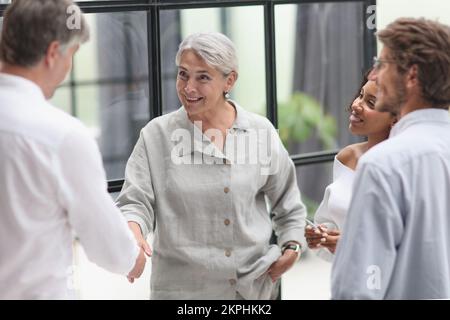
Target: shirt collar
[22, 85]
[241, 122]
[198, 143]
[420, 116]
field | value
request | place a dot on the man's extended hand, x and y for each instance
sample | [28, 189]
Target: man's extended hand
[145, 250]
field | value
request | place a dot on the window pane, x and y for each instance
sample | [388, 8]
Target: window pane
[312, 180]
[96, 0]
[9, 1]
[110, 79]
[87, 107]
[320, 58]
[249, 91]
[62, 99]
[108, 87]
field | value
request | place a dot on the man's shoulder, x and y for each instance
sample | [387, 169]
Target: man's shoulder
[391, 153]
[42, 123]
[63, 117]
[57, 123]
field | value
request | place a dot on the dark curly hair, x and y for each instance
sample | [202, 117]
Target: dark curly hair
[363, 83]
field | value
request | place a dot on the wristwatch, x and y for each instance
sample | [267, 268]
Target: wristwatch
[292, 246]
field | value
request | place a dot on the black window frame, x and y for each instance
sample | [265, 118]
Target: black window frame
[153, 9]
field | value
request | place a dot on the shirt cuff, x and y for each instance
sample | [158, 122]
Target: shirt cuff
[135, 255]
[294, 234]
[136, 218]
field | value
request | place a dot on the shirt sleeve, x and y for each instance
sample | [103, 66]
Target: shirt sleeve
[137, 198]
[366, 253]
[284, 197]
[97, 222]
[322, 217]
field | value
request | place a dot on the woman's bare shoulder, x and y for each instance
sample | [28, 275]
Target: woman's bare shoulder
[349, 155]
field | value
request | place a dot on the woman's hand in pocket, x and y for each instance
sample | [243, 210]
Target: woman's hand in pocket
[283, 264]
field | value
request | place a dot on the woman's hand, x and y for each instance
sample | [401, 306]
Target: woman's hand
[314, 236]
[283, 264]
[331, 239]
[145, 248]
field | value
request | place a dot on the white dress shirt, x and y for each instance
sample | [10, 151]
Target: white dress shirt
[396, 243]
[336, 200]
[52, 183]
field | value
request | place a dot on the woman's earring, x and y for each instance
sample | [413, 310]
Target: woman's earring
[226, 94]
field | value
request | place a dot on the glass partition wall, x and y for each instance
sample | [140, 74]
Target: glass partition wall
[300, 63]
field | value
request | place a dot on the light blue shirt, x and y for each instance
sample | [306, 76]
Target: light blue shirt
[396, 240]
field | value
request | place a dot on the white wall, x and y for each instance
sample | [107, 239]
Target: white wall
[389, 10]
[285, 19]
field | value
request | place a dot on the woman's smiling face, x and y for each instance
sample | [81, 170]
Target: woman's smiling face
[200, 87]
[364, 120]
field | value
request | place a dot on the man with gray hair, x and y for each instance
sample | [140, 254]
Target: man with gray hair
[51, 172]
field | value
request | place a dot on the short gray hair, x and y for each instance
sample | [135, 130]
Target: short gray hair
[29, 26]
[215, 48]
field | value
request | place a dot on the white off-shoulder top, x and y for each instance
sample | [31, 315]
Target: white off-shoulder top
[333, 208]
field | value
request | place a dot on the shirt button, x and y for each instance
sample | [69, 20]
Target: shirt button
[227, 253]
[226, 190]
[232, 282]
[226, 222]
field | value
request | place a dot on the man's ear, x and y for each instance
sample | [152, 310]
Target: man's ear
[52, 54]
[394, 121]
[412, 76]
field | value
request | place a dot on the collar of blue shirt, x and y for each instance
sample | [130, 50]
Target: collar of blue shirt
[420, 116]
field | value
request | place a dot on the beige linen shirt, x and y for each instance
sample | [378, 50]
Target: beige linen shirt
[210, 211]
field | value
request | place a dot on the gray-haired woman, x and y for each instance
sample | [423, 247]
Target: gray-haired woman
[205, 180]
